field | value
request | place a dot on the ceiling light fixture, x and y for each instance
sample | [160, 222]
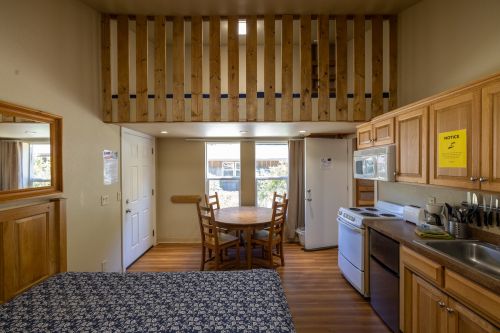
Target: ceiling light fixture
[242, 27]
[163, 132]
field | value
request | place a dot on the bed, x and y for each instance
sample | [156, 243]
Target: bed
[41, 297]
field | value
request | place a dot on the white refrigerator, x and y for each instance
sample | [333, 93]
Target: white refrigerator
[328, 186]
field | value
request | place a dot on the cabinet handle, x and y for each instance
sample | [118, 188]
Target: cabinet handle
[482, 180]
[473, 179]
[450, 310]
[441, 304]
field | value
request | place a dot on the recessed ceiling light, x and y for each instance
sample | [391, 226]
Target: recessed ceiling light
[243, 132]
[242, 27]
[30, 132]
[163, 132]
[302, 131]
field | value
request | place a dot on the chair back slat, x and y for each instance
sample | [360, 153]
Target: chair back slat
[278, 220]
[208, 228]
[279, 197]
[212, 199]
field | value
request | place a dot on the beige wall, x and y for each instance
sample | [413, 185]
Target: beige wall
[445, 43]
[442, 44]
[180, 170]
[49, 60]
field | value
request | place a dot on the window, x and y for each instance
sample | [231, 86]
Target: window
[271, 171]
[223, 171]
[39, 165]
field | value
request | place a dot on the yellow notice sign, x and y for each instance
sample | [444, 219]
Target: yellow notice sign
[453, 149]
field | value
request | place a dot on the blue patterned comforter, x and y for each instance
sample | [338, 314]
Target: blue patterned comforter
[235, 301]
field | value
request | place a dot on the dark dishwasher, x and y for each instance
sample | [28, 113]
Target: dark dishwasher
[384, 278]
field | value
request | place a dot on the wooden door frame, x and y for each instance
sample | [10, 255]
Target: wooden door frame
[123, 132]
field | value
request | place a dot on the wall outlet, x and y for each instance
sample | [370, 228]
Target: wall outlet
[104, 200]
[104, 266]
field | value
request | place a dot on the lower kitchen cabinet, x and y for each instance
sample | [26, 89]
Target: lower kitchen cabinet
[425, 307]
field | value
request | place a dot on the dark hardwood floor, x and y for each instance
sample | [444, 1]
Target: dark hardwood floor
[320, 299]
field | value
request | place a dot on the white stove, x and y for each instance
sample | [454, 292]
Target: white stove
[353, 240]
[383, 210]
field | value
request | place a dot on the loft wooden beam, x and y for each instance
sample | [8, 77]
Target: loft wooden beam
[341, 66]
[196, 68]
[107, 115]
[305, 69]
[160, 103]
[269, 68]
[215, 77]
[178, 109]
[323, 68]
[123, 70]
[233, 69]
[141, 27]
[359, 105]
[287, 68]
[251, 68]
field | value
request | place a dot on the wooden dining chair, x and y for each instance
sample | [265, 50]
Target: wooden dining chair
[212, 199]
[271, 239]
[279, 197]
[215, 241]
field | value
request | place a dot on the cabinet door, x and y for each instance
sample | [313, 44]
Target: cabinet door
[411, 146]
[383, 132]
[460, 112]
[428, 308]
[364, 135]
[463, 320]
[490, 138]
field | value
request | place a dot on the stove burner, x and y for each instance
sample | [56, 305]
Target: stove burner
[371, 209]
[369, 214]
[388, 215]
[354, 209]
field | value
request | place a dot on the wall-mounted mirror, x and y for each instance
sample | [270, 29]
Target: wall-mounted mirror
[30, 152]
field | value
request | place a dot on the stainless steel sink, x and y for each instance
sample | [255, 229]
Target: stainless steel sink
[483, 257]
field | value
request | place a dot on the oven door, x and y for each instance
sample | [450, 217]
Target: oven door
[351, 243]
[365, 167]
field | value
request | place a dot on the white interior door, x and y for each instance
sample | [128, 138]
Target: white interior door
[326, 184]
[138, 179]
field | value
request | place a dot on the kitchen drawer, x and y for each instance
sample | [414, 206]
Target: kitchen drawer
[427, 268]
[477, 297]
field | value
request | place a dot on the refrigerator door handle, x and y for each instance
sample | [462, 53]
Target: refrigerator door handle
[308, 195]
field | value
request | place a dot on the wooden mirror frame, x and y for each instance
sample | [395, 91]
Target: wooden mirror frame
[55, 123]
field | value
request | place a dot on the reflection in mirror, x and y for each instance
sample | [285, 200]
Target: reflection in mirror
[25, 153]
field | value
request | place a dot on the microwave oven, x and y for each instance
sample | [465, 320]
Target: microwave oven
[375, 163]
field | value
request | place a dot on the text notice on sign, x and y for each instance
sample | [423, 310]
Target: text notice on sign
[452, 147]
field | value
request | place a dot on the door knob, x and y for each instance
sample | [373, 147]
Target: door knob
[128, 211]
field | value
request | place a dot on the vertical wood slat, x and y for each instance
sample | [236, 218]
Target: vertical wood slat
[141, 59]
[393, 62]
[178, 69]
[305, 68]
[269, 69]
[377, 63]
[287, 68]
[323, 68]
[359, 105]
[233, 70]
[215, 76]
[106, 68]
[196, 68]
[341, 67]
[160, 103]
[123, 70]
[251, 68]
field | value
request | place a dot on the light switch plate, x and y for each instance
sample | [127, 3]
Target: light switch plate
[104, 200]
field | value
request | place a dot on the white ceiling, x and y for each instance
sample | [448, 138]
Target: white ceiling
[24, 130]
[233, 130]
[249, 7]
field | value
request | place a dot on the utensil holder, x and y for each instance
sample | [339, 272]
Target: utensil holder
[457, 229]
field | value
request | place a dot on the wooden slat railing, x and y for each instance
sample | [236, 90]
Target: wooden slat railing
[322, 73]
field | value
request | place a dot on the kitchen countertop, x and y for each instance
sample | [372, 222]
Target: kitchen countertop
[404, 233]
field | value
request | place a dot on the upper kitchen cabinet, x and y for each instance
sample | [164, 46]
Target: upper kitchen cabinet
[490, 138]
[411, 145]
[376, 133]
[454, 132]
[364, 136]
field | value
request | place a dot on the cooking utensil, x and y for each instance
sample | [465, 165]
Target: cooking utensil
[490, 211]
[485, 212]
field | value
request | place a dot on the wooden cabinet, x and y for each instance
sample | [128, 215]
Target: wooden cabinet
[378, 133]
[425, 306]
[428, 308]
[458, 112]
[364, 136]
[411, 146]
[490, 137]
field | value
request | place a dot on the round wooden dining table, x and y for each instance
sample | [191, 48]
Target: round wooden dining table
[246, 219]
